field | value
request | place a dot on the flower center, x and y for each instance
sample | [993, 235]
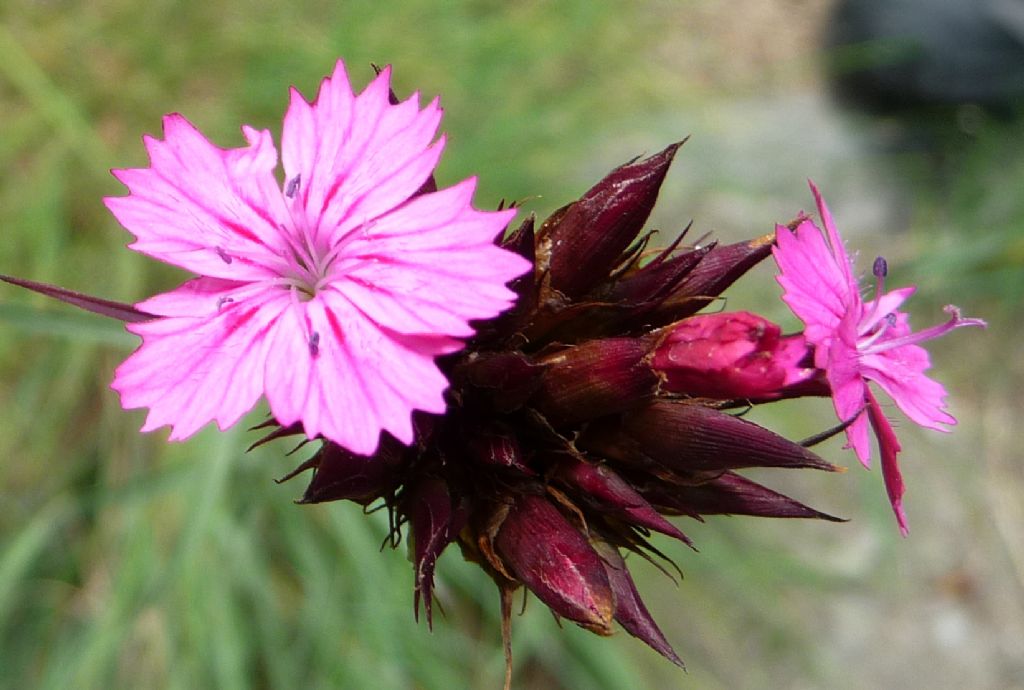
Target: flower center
[309, 260]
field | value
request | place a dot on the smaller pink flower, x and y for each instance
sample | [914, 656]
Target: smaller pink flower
[856, 341]
[730, 355]
[329, 291]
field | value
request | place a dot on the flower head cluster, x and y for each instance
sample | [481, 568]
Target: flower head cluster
[595, 408]
[546, 440]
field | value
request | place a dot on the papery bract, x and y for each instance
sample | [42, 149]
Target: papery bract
[856, 341]
[331, 294]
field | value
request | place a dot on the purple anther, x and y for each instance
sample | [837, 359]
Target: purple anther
[224, 255]
[221, 301]
[314, 344]
[881, 268]
[292, 187]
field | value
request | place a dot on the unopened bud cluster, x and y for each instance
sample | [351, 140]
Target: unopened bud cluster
[601, 403]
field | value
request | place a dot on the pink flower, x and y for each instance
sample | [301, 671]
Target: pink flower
[856, 341]
[331, 294]
[730, 355]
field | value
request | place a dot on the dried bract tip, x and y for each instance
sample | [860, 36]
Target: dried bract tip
[719, 269]
[608, 493]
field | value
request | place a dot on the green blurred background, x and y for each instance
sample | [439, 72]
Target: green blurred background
[128, 562]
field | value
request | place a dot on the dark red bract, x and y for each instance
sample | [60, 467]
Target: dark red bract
[568, 436]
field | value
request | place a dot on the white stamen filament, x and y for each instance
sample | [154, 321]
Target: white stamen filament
[955, 321]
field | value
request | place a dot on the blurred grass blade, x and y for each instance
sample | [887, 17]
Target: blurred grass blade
[80, 329]
[19, 553]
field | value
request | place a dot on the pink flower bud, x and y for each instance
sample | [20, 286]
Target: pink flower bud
[730, 355]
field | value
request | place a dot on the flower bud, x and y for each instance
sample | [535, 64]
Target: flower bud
[497, 450]
[729, 355]
[630, 611]
[550, 556]
[508, 378]
[728, 494]
[435, 521]
[587, 240]
[342, 475]
[595, 379]
[656, 280]
[717, 270]
[686, 438]
[609, 493]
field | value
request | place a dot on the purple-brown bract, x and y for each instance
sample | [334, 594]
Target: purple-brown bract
[856, 342]
[331, 293]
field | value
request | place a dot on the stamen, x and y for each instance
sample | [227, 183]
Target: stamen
[955, 321]
[221, 301]
[880, 269]
[314, 343]
[292, 187]
[885, 325]
[223, 255]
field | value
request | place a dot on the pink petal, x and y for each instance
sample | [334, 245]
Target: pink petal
[199, 298]
[848, 391]
[360, 379]
[900, 373]
[841, 259]
[814, 284]
[887, 304]
[193, 370]
[889, 448]
[431, 266]
[209, 210]
[357, 157]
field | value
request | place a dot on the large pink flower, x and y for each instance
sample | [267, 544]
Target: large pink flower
[331, 293]
[856, 341]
